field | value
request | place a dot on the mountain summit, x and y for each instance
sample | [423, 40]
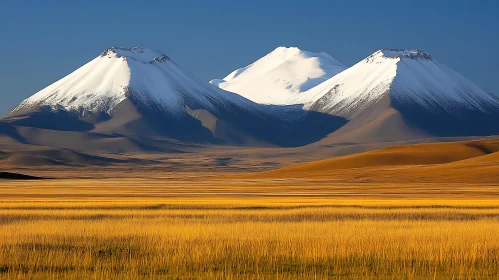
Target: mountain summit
[281, 75]
[129, 99]
[148, 77]
[140, 92]
[404, 94]
[408, 77]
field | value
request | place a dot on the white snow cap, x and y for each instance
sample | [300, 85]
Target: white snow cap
[398, 53]
[101, 84]
[281, 75]
[137, 53]
[409, 76]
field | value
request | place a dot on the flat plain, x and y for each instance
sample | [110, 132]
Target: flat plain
[407, 212]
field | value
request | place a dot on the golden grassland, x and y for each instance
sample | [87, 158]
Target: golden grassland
[410, 212]
[259, 238]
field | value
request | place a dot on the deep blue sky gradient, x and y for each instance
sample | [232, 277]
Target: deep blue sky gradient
[42, 41]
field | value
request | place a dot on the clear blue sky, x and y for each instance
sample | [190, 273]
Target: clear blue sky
[42, 41]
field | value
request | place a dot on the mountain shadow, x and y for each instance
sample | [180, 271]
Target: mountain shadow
[441, 122]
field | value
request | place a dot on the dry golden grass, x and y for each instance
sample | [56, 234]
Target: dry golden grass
[347, 185]
[424, 211]
[258, 238]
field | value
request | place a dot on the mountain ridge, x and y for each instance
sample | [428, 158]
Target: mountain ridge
[409, 76]
[139, 97]
[139, 91]
[399, 95]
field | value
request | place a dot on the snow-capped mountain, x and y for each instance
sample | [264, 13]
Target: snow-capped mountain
[403, 94]
[139, 97]
[142, 92]
[139, 91]
[280, 76]
[409, 77]
[146, 75]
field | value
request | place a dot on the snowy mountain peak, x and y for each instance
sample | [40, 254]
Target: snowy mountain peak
[284, 49]
[408, 77]
[412, 54]
[137, 53]
[281, 75]
[289, 52]
[120, 73]
[284, 52]
[399, 54]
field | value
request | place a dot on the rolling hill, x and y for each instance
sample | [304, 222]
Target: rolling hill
[468, 161]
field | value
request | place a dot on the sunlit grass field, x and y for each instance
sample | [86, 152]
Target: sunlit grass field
[279, 238]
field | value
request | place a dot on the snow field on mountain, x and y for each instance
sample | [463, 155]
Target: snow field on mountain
[280, 76]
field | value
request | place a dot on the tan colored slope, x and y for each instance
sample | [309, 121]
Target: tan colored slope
[435, 155]
[379, 123]
[483, 169]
